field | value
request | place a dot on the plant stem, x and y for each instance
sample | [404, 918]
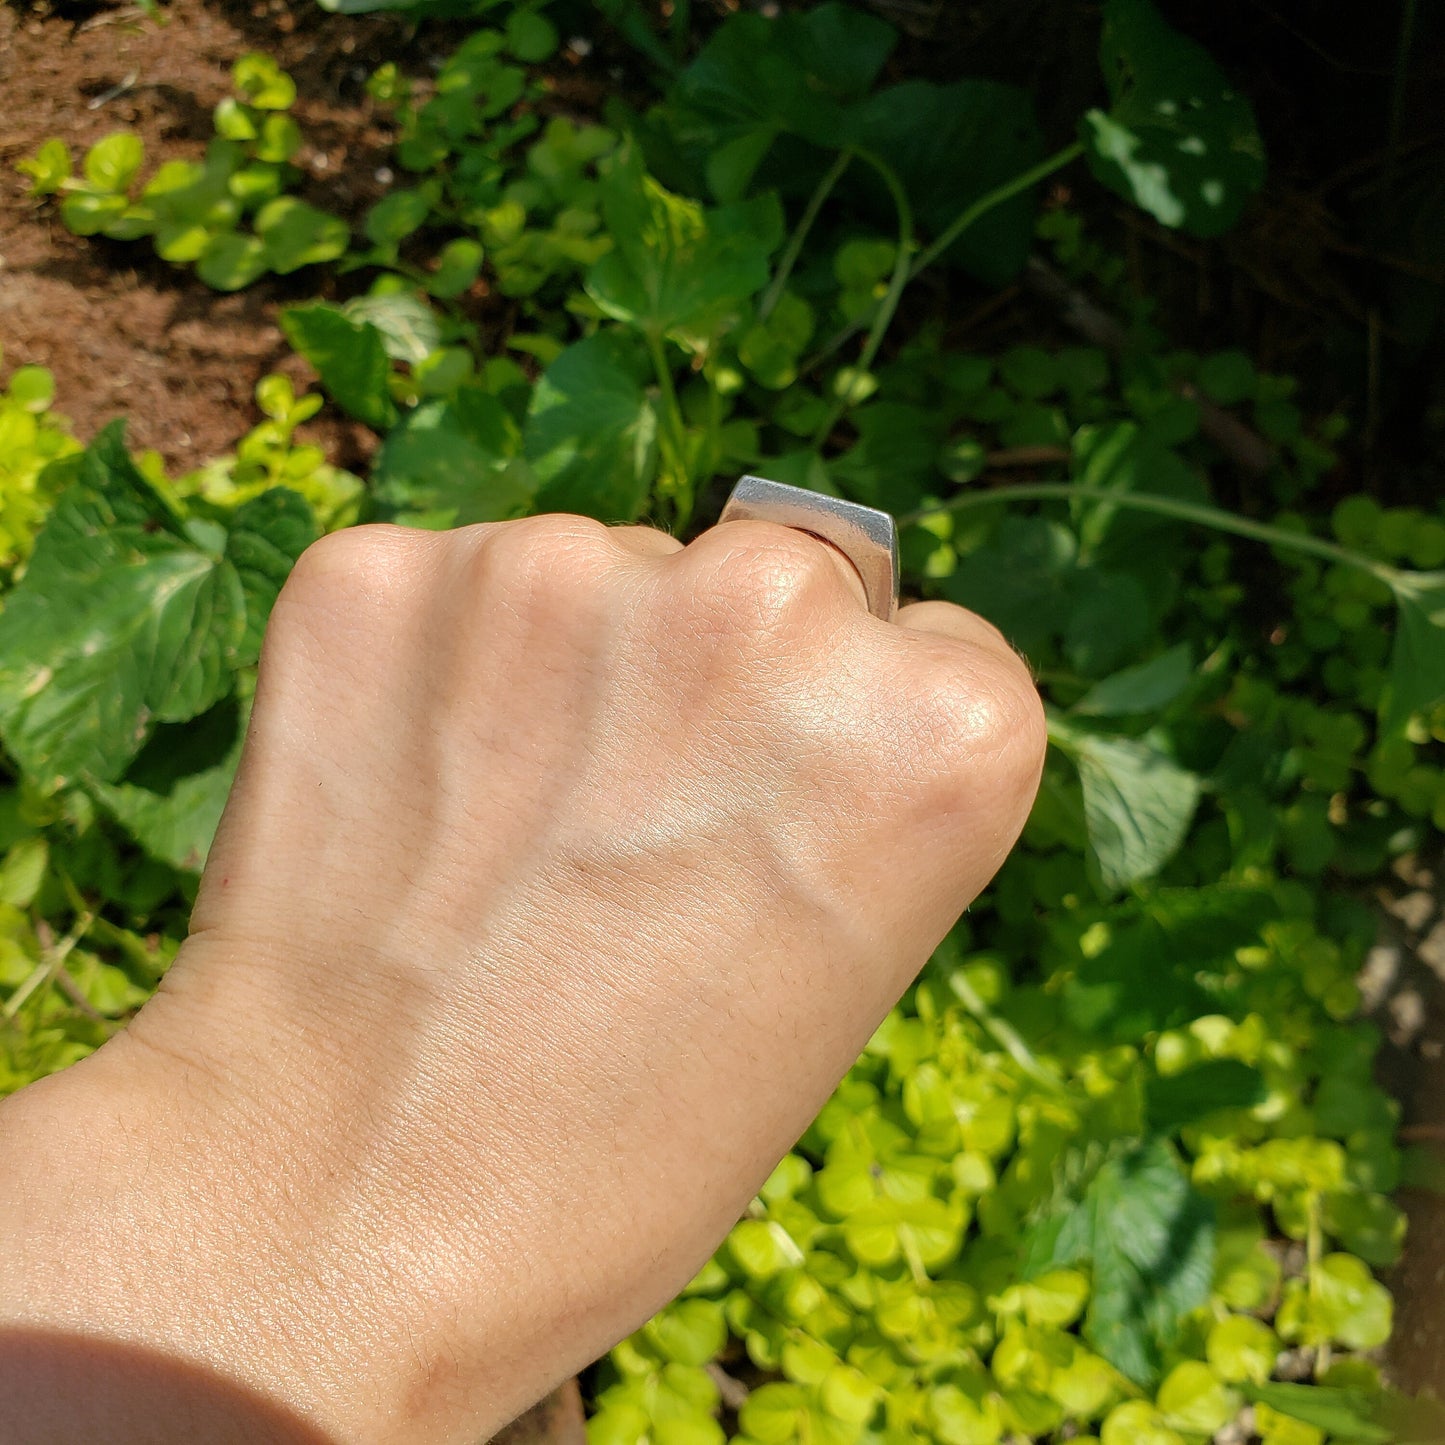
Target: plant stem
[44, 972]
[888, 307]
[1195, 512]
[674, 430]
[1004, 1034]
[794, 249]
[996, 197]
[969, 216]
[681, 28]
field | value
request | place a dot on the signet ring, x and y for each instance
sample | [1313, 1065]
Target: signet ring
[867, 537]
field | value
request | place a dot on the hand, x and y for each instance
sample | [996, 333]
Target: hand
[566, 872]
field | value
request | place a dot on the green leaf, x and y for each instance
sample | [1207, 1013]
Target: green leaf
[1242, 1350]
[689, 1331]
[295, 234]
[757, 78]
[111, 164]
[591, 432]
[1146, 687]
[233, 120]
[459, 264]
[677, 269]
[530, 37]
[1346, 1415]
[445, 465]
[1185, 1097]
[396, 215]
[230, 261]
[1342, 1303]
[23, 870]
[1150, 1240]
[1417, 663]
[1138, 802]
[173, 794]
[1194, 1399]
[277, 140]
[409, 327]
[48, 168]
[87, 213]
[349, 356]
[950, 145]
[262, 82]
[1178, 140]
[122, 620]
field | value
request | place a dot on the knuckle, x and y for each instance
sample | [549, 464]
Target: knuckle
[356, 562]
[757, 576]
[544, 552]
[981, 723]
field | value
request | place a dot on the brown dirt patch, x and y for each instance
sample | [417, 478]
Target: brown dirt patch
[125, 333]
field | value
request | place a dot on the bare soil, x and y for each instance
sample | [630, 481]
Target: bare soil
[125, 333]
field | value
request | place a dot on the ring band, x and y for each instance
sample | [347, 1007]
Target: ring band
[867, 537]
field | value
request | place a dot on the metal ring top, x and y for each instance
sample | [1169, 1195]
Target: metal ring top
[866, 537]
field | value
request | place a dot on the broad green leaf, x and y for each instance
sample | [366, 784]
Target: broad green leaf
[123, 620]
[231, 261]
[22, 871]
[758, 78]
[396, 215]
[591, 433]
[295, 234]
[1138, 802]
[172, 795]
[409, 327]
[1025, 559]
[349, 356]
[111, 164]
[446, 464]
[1146, 687]
[1417, 664]
[950, 145]
[1177, 140]
[530, 37]
[1149, 1239]
[677, 269]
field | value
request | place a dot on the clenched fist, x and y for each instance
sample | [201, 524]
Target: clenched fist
[566, 871]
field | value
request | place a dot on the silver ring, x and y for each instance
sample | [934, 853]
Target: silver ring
[867, 537]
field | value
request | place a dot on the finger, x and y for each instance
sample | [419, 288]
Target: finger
[760, 538]
[646, 541]
[945, 619]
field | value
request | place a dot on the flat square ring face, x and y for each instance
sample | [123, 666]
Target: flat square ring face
[867, 537]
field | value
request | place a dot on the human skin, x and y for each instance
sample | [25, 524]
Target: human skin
[565, 873]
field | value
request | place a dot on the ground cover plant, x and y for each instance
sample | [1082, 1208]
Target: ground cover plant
[1116, 1169]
